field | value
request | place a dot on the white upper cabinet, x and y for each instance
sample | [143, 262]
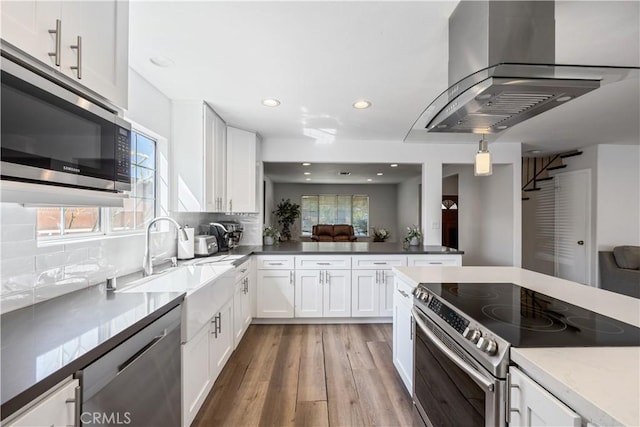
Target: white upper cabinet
[86, 41]
[196, 131]
[215, 162]
[241, 171]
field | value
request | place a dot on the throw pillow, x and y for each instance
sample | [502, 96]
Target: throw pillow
[627, 257]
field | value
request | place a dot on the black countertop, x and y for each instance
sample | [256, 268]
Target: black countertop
[45, 343]
[357, 248]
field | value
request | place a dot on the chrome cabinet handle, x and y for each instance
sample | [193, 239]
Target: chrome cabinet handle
[78, 47]
[58, 32]
[404, 294]
[377, 276]
[435, 263]
[291, 277]
[77, 406]
[219, 323]
[230, 205]
[323, 263]
[410, 328]
[479, 379]
[383, 276]
[320, 277]
[380, 263]
[275, 263]
[327, 278]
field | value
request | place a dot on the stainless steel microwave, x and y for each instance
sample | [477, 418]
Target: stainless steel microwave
[53, 135]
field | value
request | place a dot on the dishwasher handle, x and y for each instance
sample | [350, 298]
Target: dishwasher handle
[140, 352]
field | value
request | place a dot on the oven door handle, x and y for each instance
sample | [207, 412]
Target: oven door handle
[481, 380]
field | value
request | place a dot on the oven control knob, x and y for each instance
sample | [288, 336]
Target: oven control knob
[472, 335]
[491, 347]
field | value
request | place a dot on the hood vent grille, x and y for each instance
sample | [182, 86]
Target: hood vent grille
[499, 103]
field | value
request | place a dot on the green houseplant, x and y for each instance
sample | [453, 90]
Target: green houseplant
[270, 235]
[413, 235]
[287, 212]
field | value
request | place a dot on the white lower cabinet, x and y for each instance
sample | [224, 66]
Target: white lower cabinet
[56, 408]
[221, 339]
[371, 293]
[197, 378]
[532, 405]
[275, 293]
[322, 293]
[242, 302]
[403, 333]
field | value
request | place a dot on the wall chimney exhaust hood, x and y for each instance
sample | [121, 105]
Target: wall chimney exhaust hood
[502, 69]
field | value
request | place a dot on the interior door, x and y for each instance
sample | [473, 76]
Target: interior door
[572, 224]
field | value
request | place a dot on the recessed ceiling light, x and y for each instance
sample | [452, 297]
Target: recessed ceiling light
[307, 173]
[270, 102]
[563, 98]
[307, 179]
[361, 104]
[161, 61]
[502, 127]
[369, 180]
[379, 174]
[394, 165]
[306, 164]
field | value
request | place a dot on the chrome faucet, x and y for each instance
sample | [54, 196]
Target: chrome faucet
[147, 262]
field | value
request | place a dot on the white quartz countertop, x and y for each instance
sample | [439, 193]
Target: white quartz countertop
[602, 384]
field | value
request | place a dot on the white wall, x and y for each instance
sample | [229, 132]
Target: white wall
[485, 220]
[431, 156]
[618, 190]
[382, 201]
[33, 271]
[269, 202]
[408, 205]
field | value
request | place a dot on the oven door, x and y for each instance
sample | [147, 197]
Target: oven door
[52, 135]
[450, 388]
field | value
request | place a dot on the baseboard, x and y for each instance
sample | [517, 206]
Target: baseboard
[321, 320]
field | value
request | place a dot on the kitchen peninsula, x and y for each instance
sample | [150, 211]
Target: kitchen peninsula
[594, 383]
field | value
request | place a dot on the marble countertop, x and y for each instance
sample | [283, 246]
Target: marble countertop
[45, 343]
[304, 248]
[602, 384]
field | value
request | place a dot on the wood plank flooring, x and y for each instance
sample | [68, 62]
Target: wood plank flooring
[310, 375]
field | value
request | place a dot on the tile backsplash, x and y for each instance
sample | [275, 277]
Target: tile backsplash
[32, 272]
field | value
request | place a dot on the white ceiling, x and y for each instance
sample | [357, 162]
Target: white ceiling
[317, 58]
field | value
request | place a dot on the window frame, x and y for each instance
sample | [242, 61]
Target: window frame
[304, 233]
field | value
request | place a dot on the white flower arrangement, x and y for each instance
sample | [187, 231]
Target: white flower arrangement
[413, 232]
[380, 234]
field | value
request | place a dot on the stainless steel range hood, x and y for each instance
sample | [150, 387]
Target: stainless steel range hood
[502, 69]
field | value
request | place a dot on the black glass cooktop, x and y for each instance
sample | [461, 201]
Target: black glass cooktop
[528, 318]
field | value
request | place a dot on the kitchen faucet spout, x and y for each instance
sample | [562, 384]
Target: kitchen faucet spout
[147, 262]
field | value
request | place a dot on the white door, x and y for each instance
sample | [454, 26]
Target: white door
[365, 295]
[222, 339]
[274, 293]
[403, 339]
[238, 312]
[336, 289]
[308, 293]
[196, 374]
[532, 405]
[573, 223]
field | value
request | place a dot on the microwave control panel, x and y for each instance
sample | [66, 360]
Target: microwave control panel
[123, 155]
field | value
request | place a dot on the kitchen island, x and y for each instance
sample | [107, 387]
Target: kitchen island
[601, 384]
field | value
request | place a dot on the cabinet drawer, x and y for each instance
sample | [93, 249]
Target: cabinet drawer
[362, 262]
[323, 262]
[243, 270]
[273, 262]
[434, 260]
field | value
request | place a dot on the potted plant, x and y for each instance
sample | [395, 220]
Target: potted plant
[287, 212]
[413, 235]
[380, 234]
[270, 235]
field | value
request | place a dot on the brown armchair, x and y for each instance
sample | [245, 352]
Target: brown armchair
[333, 233]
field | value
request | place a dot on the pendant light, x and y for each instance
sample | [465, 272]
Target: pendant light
[482, 164]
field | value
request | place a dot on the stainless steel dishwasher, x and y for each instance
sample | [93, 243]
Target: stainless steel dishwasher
[138, 382]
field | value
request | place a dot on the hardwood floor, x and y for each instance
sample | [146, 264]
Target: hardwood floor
[310, 375]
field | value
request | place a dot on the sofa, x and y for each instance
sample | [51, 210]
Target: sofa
[620, 270]
[333, 233]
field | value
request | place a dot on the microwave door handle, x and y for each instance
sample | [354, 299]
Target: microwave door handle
[481, 380]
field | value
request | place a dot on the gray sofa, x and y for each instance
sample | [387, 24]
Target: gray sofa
[620, 270]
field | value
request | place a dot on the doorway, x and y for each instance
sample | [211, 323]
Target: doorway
[450, 211]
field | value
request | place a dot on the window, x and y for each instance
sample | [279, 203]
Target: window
[335, 209]
[57, 222]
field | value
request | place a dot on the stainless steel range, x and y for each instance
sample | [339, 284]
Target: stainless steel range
[463, 338]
